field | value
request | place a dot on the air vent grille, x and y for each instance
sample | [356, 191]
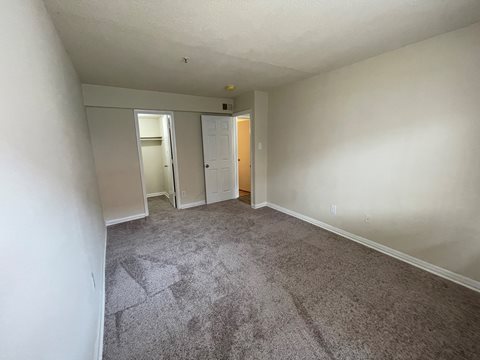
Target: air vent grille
[228, 107]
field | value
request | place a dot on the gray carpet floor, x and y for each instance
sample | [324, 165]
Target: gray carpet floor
[225, 281]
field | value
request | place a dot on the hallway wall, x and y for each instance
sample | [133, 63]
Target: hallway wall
[243, 141]
[52, 233]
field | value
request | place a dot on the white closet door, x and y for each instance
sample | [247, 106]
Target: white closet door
[170, 183]
[218, 157]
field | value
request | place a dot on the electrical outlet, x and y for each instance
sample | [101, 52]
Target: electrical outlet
[333, 209]
[366, 219]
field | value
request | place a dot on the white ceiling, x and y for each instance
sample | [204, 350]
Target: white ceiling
[254, 44]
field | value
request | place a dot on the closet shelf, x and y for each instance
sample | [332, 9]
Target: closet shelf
[151, 138]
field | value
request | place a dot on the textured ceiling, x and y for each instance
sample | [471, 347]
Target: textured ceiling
[254, 44]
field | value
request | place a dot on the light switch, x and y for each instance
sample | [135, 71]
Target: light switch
[260, 146]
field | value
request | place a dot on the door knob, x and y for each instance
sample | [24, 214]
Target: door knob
[207, 166]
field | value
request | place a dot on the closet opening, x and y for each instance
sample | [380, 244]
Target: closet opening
[157, 154]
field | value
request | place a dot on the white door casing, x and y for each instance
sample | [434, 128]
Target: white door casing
[166, 136]
[218, 157]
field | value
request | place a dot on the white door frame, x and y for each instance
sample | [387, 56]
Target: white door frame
[252, 156]
[173, 143]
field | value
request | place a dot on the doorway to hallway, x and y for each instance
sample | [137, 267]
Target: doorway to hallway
[227, 157]
[244, 163]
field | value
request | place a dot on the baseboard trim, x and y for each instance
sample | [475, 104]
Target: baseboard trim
[434, 269]
[125, 219]
[190, 205]
[260, 205]
[162, 193]
[101, 325]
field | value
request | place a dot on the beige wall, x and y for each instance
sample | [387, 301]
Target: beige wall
[122, 197]
[53, 237]
[257, 103]
[243, 141]
[244, 102]
[113, 97]
[261, 146]
[395, 139]
[117, 163]
[188, 130]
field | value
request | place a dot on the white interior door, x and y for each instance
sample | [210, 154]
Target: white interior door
[169, 169]
[218, 157]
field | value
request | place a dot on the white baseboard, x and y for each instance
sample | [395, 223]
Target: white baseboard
[258, 206]
[190, 205]
[101, 322]
[161, 193]
[446, 274]
[125, 219]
